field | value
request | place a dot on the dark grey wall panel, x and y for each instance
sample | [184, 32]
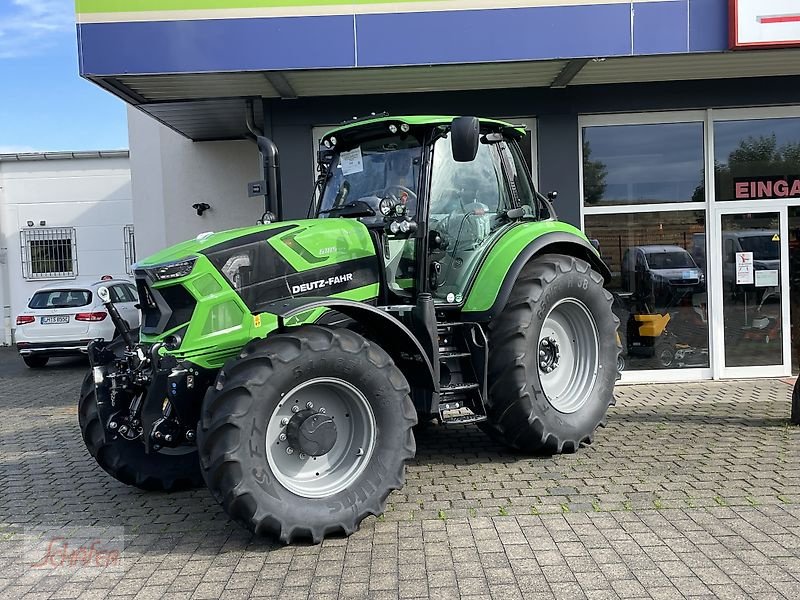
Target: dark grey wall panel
[296, 150]
[556, 109]
[559, 162]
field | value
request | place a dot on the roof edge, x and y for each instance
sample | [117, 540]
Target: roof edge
[67, 155]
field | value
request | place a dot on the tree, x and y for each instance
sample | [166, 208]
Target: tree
[594, 176]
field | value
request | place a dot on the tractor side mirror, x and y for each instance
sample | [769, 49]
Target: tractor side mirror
[465, 135]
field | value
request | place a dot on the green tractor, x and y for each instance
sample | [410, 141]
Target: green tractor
[285, 365]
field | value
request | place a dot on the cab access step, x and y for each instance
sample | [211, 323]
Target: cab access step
[463, 363]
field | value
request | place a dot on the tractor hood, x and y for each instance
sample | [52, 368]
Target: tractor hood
[260, 265]
[310, 242]
[217, 290]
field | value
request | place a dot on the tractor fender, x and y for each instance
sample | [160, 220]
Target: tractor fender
[554, 242]
[382, 328]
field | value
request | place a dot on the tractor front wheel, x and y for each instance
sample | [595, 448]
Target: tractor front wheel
[126, 461]
[552, 358]
[306, 433]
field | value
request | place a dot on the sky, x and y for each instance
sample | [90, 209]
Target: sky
[44, 103]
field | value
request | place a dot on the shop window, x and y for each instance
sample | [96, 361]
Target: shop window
[48, 253]
[657, 261]
[757, 159]
[643, 164]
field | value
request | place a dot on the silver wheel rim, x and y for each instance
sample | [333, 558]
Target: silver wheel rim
[330, 473]
[568, 355]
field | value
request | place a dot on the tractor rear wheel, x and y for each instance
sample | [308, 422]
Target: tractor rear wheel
[795, 416]
[306, 433]
[552, 358]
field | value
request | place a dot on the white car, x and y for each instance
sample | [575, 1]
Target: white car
[62, 319]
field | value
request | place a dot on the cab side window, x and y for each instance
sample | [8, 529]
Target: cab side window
[457, 186]
[465, 199]
[519, 178]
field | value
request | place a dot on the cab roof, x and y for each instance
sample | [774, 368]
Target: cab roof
[417, 120]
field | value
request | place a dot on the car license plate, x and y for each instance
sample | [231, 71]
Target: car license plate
[55, 319]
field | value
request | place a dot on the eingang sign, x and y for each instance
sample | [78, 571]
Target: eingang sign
[763, 188]
[764, 24]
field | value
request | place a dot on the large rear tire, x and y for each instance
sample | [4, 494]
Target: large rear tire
[126, 461]
[306, 433]
[552, 358]
[795, 417]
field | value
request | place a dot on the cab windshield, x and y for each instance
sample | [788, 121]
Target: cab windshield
[375, 170]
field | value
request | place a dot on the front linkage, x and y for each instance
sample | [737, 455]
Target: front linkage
[142, 394]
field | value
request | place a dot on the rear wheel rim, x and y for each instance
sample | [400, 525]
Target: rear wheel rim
[325, 475]
[568, 355]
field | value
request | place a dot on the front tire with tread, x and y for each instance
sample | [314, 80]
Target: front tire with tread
[126, 461]
[232, 435]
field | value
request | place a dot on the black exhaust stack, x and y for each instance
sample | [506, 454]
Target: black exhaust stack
[270, 164]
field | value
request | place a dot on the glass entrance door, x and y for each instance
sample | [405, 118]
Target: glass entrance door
[794, 284]
[754, 328]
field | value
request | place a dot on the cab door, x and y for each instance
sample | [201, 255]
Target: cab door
[465, 200]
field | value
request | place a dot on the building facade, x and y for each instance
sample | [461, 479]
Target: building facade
[64, 216]
[670, 129]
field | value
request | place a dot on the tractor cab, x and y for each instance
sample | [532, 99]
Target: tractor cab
[435, 192]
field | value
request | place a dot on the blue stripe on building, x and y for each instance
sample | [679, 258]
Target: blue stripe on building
[403, 38]
[708, 25]
[661, 27]
[494, 35]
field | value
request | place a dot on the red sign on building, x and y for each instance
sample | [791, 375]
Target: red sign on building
[762, 188]
[764, 24]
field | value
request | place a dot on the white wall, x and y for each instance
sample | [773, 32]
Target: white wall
[170, 173]
[91, 194]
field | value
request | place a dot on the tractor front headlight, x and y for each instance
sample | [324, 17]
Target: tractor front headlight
[173, 270]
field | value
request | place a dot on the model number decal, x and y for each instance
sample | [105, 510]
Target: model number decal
[321, 283]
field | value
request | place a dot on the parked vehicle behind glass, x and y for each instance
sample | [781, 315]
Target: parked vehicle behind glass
[661, 275]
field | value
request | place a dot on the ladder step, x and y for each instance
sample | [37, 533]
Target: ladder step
[448, 354]
[455, 388]
[462, 419]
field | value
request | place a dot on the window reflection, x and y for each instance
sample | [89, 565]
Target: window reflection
[757, 159]
[658, 280]
[643, 164]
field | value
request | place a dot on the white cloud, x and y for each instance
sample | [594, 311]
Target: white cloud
[28, 27]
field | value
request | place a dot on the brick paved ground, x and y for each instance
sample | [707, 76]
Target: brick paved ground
[691, 491]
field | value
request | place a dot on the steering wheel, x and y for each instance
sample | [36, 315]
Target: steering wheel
[410, 194]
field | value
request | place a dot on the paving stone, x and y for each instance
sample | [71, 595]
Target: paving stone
[691, 490]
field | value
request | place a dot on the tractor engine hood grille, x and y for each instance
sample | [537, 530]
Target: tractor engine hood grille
[163, 308]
